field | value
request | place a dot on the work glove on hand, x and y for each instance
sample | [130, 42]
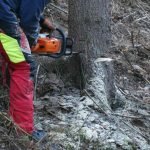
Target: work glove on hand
[47, 26]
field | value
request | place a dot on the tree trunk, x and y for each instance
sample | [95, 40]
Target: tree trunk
[89, 25]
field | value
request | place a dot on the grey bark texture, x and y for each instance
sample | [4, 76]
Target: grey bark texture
[89, 23]
[90, 26]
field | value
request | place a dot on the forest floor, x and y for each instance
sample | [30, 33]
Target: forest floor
[70, 117]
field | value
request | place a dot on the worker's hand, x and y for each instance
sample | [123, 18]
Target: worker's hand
[47, 26]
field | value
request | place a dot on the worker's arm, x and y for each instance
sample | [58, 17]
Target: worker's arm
[8, 21]
[30, 12]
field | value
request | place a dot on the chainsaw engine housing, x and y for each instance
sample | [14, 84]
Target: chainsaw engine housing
[47, 45]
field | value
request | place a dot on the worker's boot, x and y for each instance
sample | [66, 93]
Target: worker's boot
[39, 135]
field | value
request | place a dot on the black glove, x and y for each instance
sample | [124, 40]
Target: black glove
[46, 25]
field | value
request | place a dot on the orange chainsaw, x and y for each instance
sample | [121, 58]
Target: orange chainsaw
[53, 46]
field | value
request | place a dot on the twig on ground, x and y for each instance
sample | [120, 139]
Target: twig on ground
[54, 115]
[1, 97]
[132, 117]
[36, 77]
[15, 125]
[11, 140]
[58, 8]
[95, 103]
[131, 95]
[112, 113]
[132, 68]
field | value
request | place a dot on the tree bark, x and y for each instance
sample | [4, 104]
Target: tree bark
[89, 25]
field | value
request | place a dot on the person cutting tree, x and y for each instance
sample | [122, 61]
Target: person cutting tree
[19, 27]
